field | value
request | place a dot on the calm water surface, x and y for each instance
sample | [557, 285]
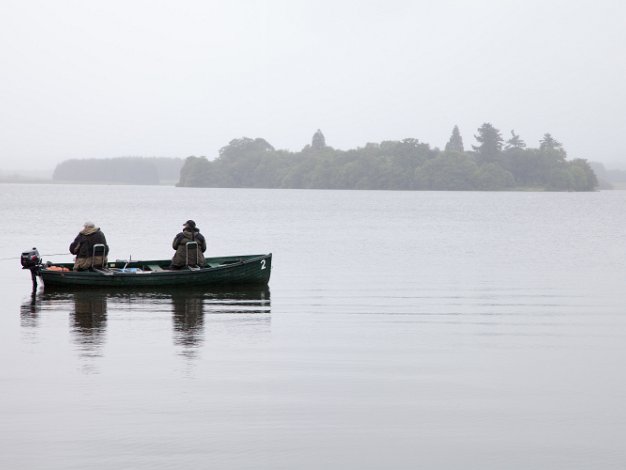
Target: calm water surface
[400, 330]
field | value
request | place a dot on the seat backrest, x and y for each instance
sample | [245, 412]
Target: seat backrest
[191, 254]
[99, 250]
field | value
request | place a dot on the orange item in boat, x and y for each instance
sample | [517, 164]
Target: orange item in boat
[57, 268]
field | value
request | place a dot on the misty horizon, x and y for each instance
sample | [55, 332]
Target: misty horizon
[49, 171]
[115, 79]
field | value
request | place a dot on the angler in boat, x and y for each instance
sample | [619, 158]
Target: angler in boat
[190, 246]
[90, 247]
[189, 267]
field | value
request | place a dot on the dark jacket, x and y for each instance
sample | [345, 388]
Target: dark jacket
[82, 246]
[180, 245]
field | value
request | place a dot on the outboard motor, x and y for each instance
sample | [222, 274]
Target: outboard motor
[31, 260]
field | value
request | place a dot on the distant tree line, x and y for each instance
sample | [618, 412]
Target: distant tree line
[609, 178]
[122, 170]
[408, 164]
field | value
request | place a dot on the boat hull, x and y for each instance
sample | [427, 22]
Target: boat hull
[234, 270]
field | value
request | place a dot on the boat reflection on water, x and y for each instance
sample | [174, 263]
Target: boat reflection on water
[89, 320]
[89, 309]
[188, 315]
[191, 304]
[29, 311]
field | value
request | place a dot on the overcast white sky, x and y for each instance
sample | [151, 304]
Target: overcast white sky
[84, 79]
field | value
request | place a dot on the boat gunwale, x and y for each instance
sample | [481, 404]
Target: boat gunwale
[94, 278]
[98, 273]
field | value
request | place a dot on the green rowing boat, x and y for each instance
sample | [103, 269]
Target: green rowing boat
[221, 271]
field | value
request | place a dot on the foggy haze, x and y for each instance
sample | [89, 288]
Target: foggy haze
[154, 78]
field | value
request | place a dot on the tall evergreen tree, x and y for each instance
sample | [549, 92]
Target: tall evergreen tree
[549, 143]
[552, 149]
[490, 143]
[455, 144]
[319, 141]
[515, 142]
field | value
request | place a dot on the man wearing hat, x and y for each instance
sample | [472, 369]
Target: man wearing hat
[188, 255]
[83, 244]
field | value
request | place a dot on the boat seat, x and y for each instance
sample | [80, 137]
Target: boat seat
[155, 267]
[191, 254]
[106, 271]
[99, 250]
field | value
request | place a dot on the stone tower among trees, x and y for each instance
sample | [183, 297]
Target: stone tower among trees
[319, 141]
[455, 144]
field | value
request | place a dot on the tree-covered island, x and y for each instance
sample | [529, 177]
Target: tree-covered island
[408, 164]
[120, 170]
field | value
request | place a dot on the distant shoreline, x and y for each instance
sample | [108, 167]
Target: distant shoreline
[90, 183]
[616, 187]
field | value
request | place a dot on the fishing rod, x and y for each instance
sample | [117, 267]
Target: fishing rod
[45, 254]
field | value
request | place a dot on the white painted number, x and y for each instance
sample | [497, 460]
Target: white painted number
[262, 264]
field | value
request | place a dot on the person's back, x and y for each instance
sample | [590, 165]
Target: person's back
[83, 244]
[190, 245]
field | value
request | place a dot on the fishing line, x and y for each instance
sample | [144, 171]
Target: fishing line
[47, 254]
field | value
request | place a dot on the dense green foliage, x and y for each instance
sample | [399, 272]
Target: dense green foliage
[406, 164]
[123, 170]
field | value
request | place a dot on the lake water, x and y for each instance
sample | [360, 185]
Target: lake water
[400, 330]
